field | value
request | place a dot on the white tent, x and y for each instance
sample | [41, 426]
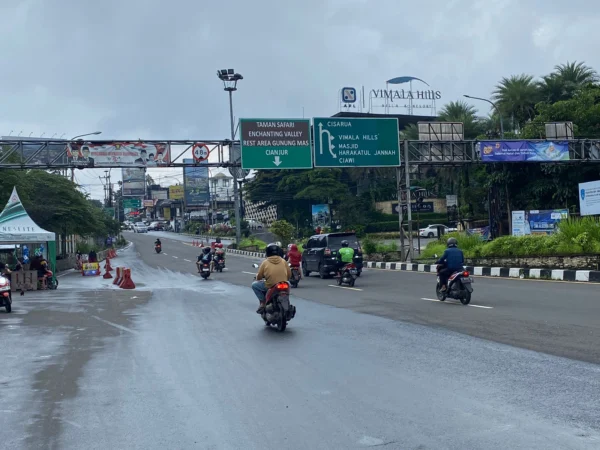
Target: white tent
[16, 227]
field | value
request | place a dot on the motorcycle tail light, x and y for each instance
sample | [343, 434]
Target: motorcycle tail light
[282, 286]
[465, 274]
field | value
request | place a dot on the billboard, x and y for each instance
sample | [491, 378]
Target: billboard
[523, 151]
[176, 192]
[537, 221]
[321, 216]
[134, 181]
[589, 198]
[195, 183]
[136, 154]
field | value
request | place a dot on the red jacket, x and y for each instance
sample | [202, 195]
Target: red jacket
[294, 256]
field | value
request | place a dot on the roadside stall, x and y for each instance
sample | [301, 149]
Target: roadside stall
[27, 239]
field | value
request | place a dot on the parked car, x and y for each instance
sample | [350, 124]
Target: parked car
[432, 230]
[140, 228]
[321, 253]
[155, 226]
[255, 224]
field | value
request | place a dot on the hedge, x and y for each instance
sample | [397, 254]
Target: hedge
[574, 237]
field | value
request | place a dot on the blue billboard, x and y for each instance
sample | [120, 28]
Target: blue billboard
[195, 183]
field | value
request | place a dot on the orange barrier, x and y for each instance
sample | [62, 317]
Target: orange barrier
[107, 265]
[127, 282]
[119, 276]
[107, 275]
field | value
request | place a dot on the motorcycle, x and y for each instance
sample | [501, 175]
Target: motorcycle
[51, 281]
[158, 248]
[295, 279]
[219, 262]
[5, 294]
[204, 270]
[460, 287]
[278, 309]
[347, 275]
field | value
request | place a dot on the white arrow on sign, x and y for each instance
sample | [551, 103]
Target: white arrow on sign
[277, 161]
[330, 139]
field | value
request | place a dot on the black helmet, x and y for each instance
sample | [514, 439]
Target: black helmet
[218, 240]
[206, 250]
[345, 244]
[273, 250]
[452, 242]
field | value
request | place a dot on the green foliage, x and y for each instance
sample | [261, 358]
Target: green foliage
[574, 237]
[283, 230]
[252, 242]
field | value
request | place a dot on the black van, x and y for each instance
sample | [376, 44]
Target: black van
[321, 253]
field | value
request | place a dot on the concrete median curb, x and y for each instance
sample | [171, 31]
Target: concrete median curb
[591, 276]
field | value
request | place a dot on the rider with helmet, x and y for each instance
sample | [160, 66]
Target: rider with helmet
[273, 270]
[345, 255]
[453, 260]
[204, 258]
[293, 256]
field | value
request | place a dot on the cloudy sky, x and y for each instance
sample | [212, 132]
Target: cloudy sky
[146, 68]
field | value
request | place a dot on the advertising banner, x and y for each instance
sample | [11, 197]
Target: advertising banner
[136, 154]
[134, 181]
[321, 216]
[483, 232]
[148, 203]
[537, 221]
[90, 269]
[167, 213]
[176, 192]
[523, 151]
[589, 198]
[195, 183]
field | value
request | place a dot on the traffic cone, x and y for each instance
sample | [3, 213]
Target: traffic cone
[119, 276]
[107, 266]
[107, 275]
[127, 282]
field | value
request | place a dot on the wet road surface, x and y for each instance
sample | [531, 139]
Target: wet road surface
[185, 363]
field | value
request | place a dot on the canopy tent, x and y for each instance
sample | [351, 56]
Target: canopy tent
[16, 227]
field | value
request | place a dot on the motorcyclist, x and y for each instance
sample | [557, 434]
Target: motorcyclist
[204, 258]
[345, 255]
[273, 270]
[293, 256]
[452, 261]
[157, 243]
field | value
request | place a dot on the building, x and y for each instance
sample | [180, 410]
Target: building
[221, 187]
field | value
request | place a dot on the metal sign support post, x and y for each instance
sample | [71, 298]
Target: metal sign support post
[400, 213]
[410, 253]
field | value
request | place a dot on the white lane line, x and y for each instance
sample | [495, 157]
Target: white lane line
[187, 260]
[176, 257]
[165, 254]
[116, 325]
[249, 273]
[456, 303]
[344, 287]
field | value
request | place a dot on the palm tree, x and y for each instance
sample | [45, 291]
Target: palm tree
[576, 73]
[516, 97]
[566, 80]
[552, 88]
[460, 111]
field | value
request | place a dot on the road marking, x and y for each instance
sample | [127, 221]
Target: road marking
[176, 257]
[186, 260]
[165, 254]
[249, 273]
[116, 325]
[456, 303]
[344, 287]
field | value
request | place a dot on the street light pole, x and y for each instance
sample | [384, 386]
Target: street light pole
[230, 78]
[493, 106]
[80, 136]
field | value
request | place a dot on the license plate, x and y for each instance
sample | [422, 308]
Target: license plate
[353, 271]
[205, 270]
[466, 281]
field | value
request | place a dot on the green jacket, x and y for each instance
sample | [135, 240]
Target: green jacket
[346, 255]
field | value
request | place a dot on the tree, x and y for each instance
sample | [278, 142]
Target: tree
[516, 97]
[459, 111]
[283, 230]
[566, 80]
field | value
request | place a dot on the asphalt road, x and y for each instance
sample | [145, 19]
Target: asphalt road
[558, 318]
[185, 363]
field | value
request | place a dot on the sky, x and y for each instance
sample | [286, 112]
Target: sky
[147, 68]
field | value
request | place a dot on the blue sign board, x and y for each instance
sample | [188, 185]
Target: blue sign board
[523, 151]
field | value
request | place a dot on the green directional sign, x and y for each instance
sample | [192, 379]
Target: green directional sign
[275, 144]
[344, 142]
[132, 203]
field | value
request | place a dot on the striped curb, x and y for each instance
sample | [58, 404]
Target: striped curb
[592, 276]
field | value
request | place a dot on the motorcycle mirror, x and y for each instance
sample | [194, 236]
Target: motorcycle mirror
[255, 265]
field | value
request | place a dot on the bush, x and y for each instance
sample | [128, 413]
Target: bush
[369, 246]
[252, 242]
[283, 230]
